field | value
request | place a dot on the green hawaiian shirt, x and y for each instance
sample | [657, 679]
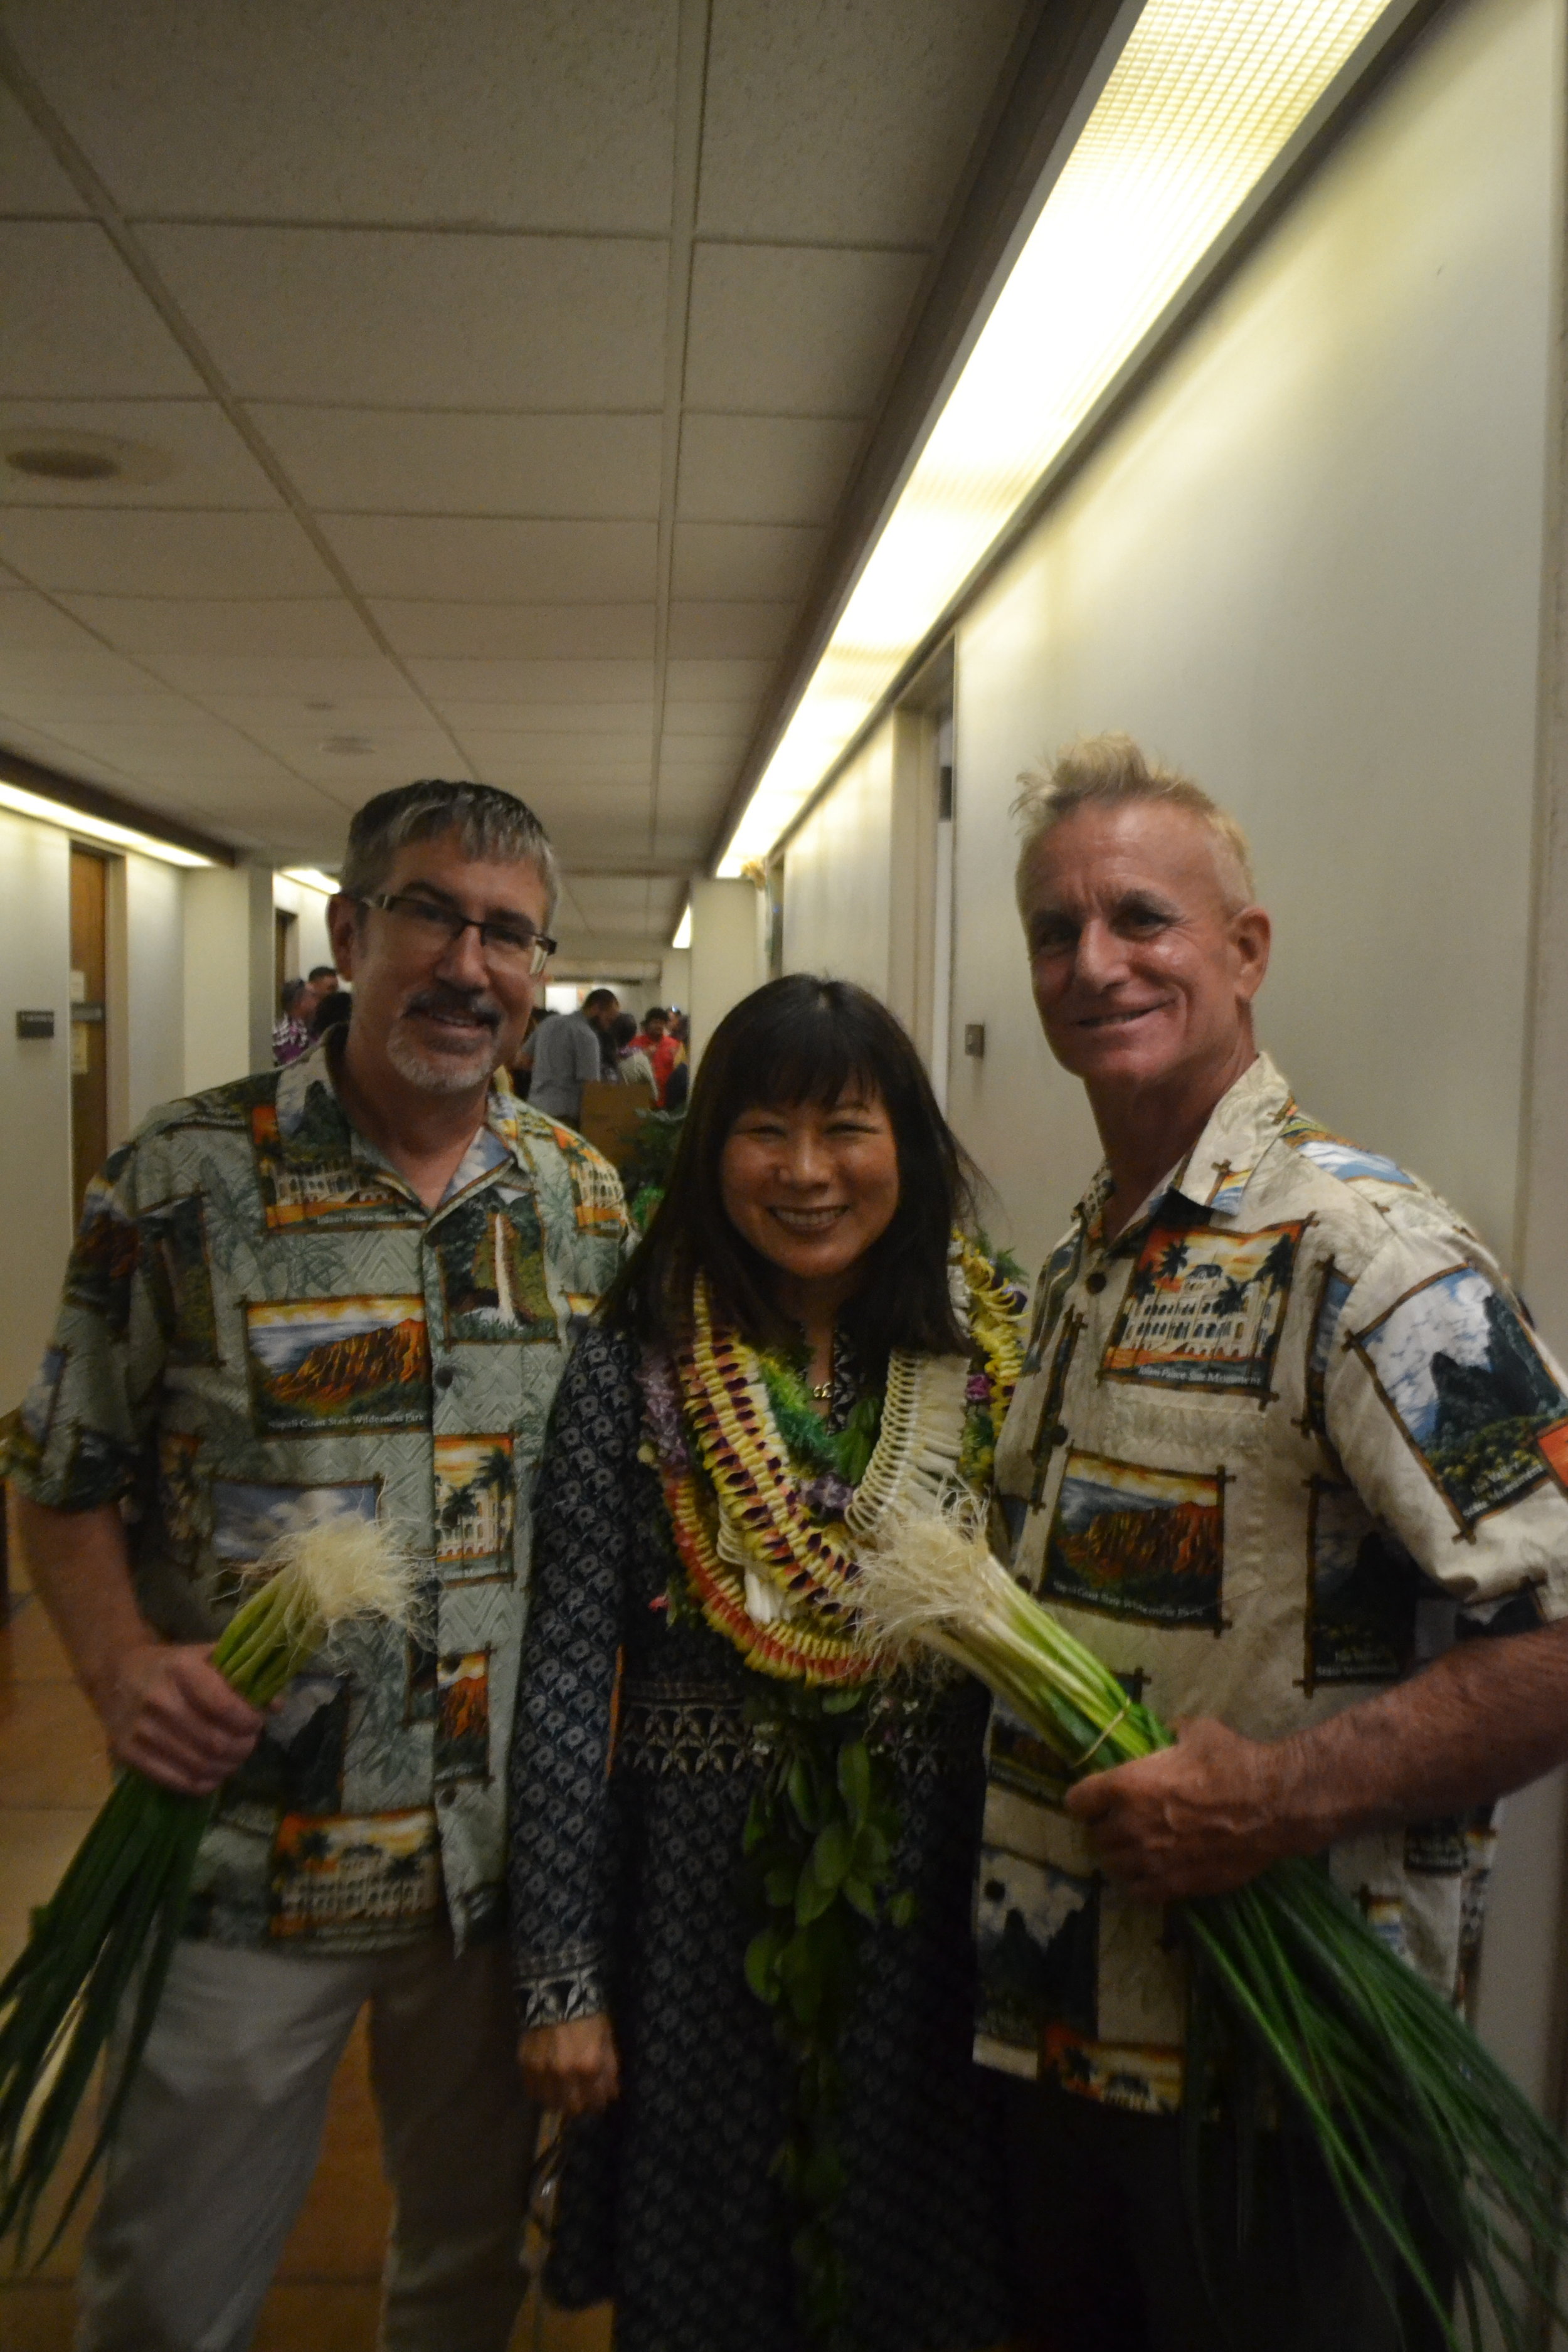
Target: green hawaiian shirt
[263, 1325]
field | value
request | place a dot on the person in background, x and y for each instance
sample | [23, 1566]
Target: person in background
[346, 1288]
[323, 978]
[521, 1071]
[1286, 1453]
[292, 1034]
[568, 1054]
[651, 1031]
[336, 1011]
[814, 1213]
[668, 1055]
[632, 1065]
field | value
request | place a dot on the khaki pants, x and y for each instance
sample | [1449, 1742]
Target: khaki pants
[223, 2127]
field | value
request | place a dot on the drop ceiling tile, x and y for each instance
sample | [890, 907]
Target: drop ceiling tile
[845, 124]
[765, 468]
[562, 755]
[715, 774]
[587, 720]
[125, 550]
[56, 705]
[466, 557]
[767, 561]
[517, 632]
[794, 332]
[318, 714]
[536, 681]
[393, 759]
[329, 677]
[275, 625]
[687, 843]
[31, 182]
[30, 624]
[717, 681]
[79, 669]
[37, 743]
[208, 464]
[738, 632]
[507, 761]
[683, 801]
[732, 720]
[77, 323]
[394, 320]
[407, 461]
[475, 111]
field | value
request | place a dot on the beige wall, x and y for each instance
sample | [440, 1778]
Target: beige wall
[153, 992]
[1308, 568]
[839, 875]
[728, 958]
[35, 1088]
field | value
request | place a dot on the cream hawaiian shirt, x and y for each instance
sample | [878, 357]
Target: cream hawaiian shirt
[263, 1325]
[1284, 1440]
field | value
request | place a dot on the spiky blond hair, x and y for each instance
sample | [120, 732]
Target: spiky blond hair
[1108, 770]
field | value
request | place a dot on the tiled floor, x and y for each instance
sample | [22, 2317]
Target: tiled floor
[52, 1779]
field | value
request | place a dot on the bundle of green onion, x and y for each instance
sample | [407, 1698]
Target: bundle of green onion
[110, 1928]
[1427, 2142]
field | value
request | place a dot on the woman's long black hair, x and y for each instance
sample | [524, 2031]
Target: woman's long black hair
[794, 1041]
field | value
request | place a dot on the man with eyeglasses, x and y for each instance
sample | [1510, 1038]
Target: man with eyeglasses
[345, 1288]
[569, 1053]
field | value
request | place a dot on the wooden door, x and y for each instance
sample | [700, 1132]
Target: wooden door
[88, 1014]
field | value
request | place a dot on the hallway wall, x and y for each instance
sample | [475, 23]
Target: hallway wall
[1308, 569]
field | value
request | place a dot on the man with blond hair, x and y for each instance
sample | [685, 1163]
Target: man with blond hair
[1283, 1447]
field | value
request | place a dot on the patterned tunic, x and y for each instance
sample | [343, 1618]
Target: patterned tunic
[626, 1898]
[1274, 1447]
[264, 1327]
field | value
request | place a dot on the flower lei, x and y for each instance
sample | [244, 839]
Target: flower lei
[743, 1513]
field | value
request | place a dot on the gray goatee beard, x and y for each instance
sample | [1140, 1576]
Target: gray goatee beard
[442, 1074]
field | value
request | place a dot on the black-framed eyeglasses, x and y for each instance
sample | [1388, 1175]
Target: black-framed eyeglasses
[508, 946]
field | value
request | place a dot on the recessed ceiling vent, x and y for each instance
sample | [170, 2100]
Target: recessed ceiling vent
[43, 453]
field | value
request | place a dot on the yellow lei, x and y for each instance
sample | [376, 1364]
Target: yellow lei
[777, 1582]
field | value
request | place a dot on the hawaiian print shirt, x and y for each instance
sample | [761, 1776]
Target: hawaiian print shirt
[1277, 1446]
[263, 1325]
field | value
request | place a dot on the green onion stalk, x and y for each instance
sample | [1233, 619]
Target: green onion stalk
[102, 1943]
[1296, 2007]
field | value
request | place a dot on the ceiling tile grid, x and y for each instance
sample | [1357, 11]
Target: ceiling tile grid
[468, 443]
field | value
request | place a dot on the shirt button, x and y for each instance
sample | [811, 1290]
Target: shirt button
[446, 1797]
[445, 1375]
[1057, 1434]
[1096, 1281]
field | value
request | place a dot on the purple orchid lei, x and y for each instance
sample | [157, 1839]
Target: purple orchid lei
[661, 1396]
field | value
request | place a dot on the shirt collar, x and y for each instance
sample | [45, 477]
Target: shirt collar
[1243, 1124]
[309, 1107]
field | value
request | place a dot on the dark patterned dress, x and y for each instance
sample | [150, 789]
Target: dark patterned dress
[625, 1897]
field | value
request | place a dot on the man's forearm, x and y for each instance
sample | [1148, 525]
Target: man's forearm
[81, 1566]
[1486, 1718]
[1212, 1811]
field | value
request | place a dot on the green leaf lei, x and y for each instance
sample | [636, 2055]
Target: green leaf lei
[820, 1839]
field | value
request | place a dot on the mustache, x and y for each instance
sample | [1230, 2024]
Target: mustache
[473, 1003]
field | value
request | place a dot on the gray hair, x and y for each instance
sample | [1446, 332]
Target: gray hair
[1109, 771]
[489, 823]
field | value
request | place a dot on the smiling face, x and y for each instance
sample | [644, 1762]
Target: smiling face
[1144, 967]
[438, 1014]
[811, 1189]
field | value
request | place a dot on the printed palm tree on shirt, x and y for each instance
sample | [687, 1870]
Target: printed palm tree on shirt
[464, 1505]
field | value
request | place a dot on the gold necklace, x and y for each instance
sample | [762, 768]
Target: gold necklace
[822, 1390]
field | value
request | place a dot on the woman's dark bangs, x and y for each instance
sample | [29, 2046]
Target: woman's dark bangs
[814, 1056]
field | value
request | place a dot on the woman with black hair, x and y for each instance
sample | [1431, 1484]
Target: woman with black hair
[742, 1844]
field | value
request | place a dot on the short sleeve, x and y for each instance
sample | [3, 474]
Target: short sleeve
[75, 1441]
[1450, 1418]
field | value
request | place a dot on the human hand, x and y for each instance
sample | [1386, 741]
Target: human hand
[1200, 1818]
[571, 2070]
[169, 1712]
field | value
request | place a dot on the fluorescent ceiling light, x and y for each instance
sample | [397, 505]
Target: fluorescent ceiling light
[313, 879]
[96, 828]
[683, 928]
[1202, 100]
